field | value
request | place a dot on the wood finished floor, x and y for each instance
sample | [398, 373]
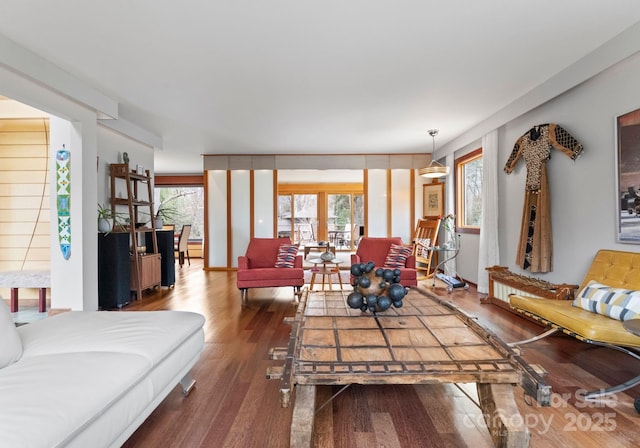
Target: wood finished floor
[234, 405]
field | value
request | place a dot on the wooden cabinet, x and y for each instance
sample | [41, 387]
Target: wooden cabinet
[137, 198]
[147, 275]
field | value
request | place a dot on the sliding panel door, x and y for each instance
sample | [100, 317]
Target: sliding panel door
[377, 203]
[263, 204]
[401, 204]
[240, 214]
[217, 206]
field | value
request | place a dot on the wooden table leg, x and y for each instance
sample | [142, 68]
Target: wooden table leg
[42, 300]
[313, 280]
[339, 277]
[14, 300]
[502, 416]
[303, 416]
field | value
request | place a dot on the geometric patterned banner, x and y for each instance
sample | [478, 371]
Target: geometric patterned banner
[63, 191]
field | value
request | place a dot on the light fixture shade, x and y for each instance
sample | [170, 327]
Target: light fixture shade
[434, 170]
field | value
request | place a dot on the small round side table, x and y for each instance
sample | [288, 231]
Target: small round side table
[320, 268]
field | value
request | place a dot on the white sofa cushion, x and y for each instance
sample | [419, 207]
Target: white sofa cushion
[11, 346]
[91, 378]
[152, 334]
[63, 393]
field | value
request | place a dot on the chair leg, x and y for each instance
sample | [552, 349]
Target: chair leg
[188, 259]
[243, 295]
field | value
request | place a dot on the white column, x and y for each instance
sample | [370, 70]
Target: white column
[74, 282]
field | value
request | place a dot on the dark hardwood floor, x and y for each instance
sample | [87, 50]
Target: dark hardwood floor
[234, 405]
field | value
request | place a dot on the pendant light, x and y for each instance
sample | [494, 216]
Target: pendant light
[435, 169]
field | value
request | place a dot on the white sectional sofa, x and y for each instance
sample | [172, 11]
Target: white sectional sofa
[89, 379]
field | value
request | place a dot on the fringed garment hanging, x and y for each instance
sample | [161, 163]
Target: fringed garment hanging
[535, 249]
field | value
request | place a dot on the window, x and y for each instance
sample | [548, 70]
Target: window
[345, 219]
[182, 205]
[468, 175]
[321, 212]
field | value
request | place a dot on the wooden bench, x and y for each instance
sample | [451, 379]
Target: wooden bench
[616, 269]
[26, 279]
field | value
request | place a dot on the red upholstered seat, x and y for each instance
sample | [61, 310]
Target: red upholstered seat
[256, 269]
[376, 249]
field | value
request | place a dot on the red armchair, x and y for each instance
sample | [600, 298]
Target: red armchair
[376, 249]
[256, 269]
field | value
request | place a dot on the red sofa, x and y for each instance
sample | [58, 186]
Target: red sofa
[376, 249]
[256, 269]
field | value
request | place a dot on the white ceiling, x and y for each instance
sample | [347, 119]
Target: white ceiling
[298, 76]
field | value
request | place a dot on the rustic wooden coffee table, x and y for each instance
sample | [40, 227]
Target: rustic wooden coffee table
[426, 341]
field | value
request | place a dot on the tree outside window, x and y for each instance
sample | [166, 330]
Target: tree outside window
[181, 205]
[469, 192]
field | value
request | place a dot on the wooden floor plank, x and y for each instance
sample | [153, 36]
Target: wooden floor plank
[234, 405]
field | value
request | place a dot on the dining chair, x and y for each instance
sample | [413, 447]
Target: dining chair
[182, 246]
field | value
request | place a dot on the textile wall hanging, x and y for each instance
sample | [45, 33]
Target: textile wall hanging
[535, 247]
[63, 200]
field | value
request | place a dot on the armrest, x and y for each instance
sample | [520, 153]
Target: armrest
[243, 262]
[298, 261]
[355, 258]
[411, 262]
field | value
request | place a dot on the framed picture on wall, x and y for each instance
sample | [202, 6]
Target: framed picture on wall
[433, 199]
[628, 177]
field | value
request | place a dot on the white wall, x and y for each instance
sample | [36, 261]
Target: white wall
[73, 107]
[111, 145]
[583, 196]
[74, 281]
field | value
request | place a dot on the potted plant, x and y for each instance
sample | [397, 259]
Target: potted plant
[106, 219]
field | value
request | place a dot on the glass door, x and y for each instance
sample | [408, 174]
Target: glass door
[285, 216]
[305, 218]
[345, 220]
[298, 217]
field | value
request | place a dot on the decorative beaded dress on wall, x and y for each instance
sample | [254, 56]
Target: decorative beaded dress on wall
[535, 249]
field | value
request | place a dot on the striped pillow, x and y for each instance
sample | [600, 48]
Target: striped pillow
[397, 256]
[617, 303]
[286, 256]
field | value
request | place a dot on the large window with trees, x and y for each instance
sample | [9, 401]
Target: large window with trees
[179, 205]
[468, 192]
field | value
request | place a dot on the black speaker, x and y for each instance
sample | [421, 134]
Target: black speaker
[167, 254]
[114, 270]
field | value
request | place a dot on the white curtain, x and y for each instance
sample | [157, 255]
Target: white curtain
[450, 267]
[488, 250]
